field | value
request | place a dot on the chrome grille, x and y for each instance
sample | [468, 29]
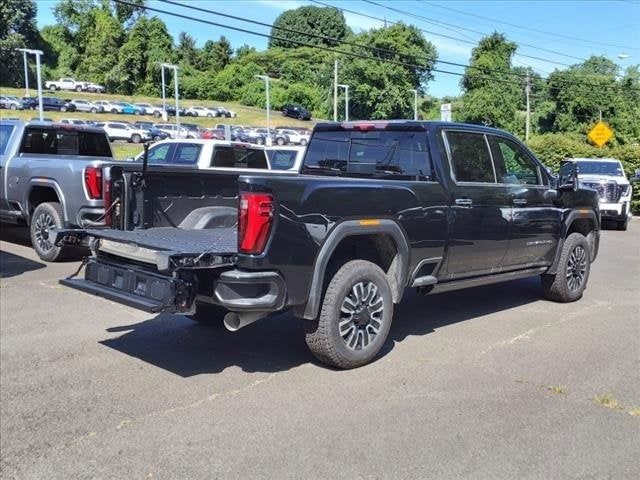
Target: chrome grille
[609, 192]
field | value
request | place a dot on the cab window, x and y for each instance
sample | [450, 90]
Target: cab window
[513, 164]
[470, 157]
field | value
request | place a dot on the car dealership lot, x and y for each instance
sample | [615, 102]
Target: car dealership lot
[485, 383]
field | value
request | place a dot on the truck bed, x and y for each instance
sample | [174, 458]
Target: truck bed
[219, 241]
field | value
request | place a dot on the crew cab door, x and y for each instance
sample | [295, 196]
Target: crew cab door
[480, 207]
[535, 222]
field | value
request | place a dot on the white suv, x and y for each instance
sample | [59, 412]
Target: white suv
[606, 176]
[199, 112]
[124, 131]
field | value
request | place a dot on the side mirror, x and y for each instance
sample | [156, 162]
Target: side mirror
[568, 176]
[636, 176]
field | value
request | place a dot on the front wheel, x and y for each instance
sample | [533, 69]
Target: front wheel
[135, 138]
[570, 280]
[78, 89]
[210, 315]
[355, 317]
[94, 110]
[45, 217]
[303, 142]
[280, 141]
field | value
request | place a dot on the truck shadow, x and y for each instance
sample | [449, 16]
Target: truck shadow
[12, 265]
[175, 344]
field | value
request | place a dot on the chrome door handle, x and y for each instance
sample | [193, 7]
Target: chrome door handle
[519, 201]
[464, 202]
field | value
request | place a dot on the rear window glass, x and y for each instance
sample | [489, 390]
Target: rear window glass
[238, 157]
[378, 153]
[63, 142]
[5, 133]
[282, 159]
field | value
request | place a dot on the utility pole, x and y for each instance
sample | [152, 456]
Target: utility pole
[26, 74]
[266, 79]
[335, 90]
[346, 101]
[164, 98]
[176, 93]
[38, 54]
[527, 91]
[415, 102]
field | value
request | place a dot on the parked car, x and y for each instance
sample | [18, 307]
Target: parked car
[72, 121]
[172, 130]
[86, 106]
[155, 133]
[11, 103]
[338, 244]
[287, 158]
[109, 106]
[193, 130]
[94, 88]
[223, 112]
[199, 111]
[65, 83]
[249, 136]
[171, 111]
[30, 103]
[212, 133]
[606, 176]
[207, 154]
[148, 109]
[57, 179]
[296, 111]
[296, 137]
[128, 108]
[124, 131]
[57, 104]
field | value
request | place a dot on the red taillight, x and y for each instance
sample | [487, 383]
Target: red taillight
[255, 216]
[93, 182]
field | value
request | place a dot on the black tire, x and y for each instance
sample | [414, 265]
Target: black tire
[570, 281]
[300, 117]
[260, 141]
[303, 142]
[63, 109]
[78, 89]
[94, 110]
[280, 141]
[114, 110]
[157, 114]
[622, 225]
[46, 216]
[352, 287]
[157, 138]
[52, 88]
[210, 315]
[135, 138]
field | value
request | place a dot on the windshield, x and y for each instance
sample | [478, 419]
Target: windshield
[5, 133]
[600, 168]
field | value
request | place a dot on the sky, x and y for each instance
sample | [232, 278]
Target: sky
[550, 33]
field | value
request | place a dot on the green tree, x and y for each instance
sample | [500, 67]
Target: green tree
[294, 26]
[17, 30]
[380, 89]
[100, 56]
[186, 50]
[214, 56]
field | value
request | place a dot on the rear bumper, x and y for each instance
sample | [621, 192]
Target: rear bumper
[244, 291]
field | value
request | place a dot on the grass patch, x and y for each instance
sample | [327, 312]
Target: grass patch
[122, 150]
[634, 412]
[608, 401]
[249, 116]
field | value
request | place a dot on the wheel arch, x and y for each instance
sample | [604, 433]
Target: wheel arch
[41, 191]
[381, 241]
[585, 222]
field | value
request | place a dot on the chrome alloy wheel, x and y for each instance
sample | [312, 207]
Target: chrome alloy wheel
[44, 223]
[576, 268]
[361, 315]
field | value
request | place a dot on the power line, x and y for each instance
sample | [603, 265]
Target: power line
[437, 34]
[568, 37]
[320, 47]
[414, 15]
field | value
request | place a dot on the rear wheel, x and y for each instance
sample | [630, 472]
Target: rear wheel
[355, 316]
[303, 142]
[78, 89]
[207, 314]
[94, 110]
[570, 280]
[13, 106]
[622, 225]
[45, 217]
[63, 109]
[280, 141]
[135, 138]
[53, 88]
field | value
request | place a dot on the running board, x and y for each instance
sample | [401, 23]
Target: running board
[487, 280]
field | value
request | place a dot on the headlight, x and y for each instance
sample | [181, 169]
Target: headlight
[626, 189]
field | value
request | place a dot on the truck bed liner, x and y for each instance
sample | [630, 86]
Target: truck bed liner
[219, 240]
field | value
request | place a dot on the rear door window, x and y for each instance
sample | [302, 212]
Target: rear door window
[470, 158]
[387, 154]
[160, 154]
[282, 159]
[5, 134]
[187, 153]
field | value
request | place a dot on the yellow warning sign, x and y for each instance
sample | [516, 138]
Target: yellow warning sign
[600, 134]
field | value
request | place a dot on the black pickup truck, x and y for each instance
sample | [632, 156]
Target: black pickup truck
[378, 207]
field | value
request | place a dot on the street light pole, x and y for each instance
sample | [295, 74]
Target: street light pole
[415, 103]
[266, 83]
[37, 53]
[26, 74]
[176, 93]
[335, 90]
[346, 101]
[164, 99]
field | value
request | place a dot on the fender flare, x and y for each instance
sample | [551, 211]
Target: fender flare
[44, 182]
[351, 228]
[566, 224]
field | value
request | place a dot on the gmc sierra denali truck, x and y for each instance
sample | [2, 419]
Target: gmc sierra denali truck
[378, 207]
[52, 176]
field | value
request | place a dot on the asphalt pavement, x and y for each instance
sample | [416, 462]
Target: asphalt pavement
[488, 383]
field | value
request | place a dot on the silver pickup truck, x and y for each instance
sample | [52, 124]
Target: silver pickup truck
[53, 176]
